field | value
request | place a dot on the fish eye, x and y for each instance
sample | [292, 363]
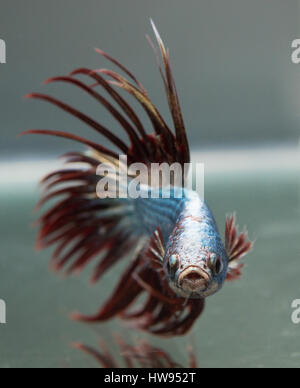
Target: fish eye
[215, 263]
[173, 263]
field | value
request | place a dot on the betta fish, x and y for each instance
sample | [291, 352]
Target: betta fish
[176, 256]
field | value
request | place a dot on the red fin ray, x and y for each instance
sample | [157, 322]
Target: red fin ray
[84, 118]
[70, 136]
[159, 124]
[138, 146]
[116, 96]
[121, 67]
[237, 246]
[172, 96]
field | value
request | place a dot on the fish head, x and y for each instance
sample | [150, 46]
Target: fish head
[196, 272]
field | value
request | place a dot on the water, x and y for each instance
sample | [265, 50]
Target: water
[247, 324]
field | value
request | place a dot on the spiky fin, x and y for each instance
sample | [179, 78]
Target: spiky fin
[237, 246]
[164, 146]
[172, 95]
[85, 228]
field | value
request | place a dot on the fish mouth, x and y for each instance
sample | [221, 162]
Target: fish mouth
[193, 279]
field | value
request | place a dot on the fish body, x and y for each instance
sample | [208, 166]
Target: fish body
[190, 235]
[176, 257]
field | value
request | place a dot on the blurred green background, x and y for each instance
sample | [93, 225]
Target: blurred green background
[231, 60]
[240, 96]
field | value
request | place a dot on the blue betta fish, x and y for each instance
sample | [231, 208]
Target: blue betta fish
[176, 255]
